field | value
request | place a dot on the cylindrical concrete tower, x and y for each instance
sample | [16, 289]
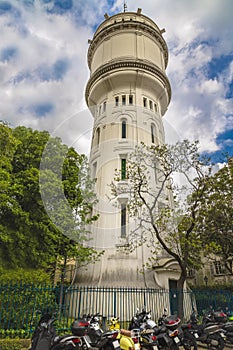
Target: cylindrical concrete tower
[128, 93]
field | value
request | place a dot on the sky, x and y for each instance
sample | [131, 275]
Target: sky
[44, 71]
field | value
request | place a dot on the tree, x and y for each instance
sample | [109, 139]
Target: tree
[216, 221]
[29, 221]
[166, 223]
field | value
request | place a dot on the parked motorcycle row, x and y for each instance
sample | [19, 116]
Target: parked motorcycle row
[214, 332]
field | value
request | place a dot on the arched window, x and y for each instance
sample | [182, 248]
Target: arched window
[152, 133]
[98, 136]
[123, 220]
[123, 168]
[123, 129]
[144, 102]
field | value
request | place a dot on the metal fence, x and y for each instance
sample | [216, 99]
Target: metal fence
[20, 305]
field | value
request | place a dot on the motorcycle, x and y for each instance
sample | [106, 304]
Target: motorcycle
[208, 332]
[177, 333]
[166, 334]
[142, 321]
[92, 336]
[45, 338]
[128, 339]
[224, 321]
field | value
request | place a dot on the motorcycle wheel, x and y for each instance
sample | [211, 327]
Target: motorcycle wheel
[220, 340]
[108, 347]
[64, 347]
[189, 342]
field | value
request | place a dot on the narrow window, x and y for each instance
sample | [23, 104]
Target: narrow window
[104, 106]
[123, 220]
[130, 99]
[94, 169]
[117, 101]
[152, 133]
[123, 169]
[98, 135]
[144, 102]
[219, 269]
[123, 100]
[151, 104]
[155, 107]
[123, 129]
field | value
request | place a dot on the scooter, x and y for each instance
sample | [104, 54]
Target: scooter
[45, 338]
[92, 336]
[142, 320]
[208, 332]
[224, 321]
[177, 333]
[128, 339]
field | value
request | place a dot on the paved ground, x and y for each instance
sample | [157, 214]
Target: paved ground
[202, 347]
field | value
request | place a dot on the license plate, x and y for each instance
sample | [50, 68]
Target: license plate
[116, 344]
[137, 346]
[177, 340]
[155, 347]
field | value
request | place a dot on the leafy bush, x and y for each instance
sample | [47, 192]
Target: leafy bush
[24, 276]
[14, 344]
[22, 294]
[20, 303]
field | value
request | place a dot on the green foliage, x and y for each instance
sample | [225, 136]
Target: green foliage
[46, 199]
[20, 303]
[216, 219]
[24, 276]
[14, 344]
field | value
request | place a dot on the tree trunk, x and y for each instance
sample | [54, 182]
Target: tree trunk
[61, 297]
[180, 287]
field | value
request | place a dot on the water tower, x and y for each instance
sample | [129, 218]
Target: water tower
[127, 93]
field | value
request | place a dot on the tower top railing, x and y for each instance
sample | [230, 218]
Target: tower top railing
[127, 16]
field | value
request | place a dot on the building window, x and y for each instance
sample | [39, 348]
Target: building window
[104, 106]
[98, 136]
[130, 99]
[151, 104]
[191, 273]
[123, 100]
[155, 107]
[117, 101]
[152, 133]
[123, 129]
[123, 168]
[218, 268]
[94, 169]
[123, 220]
[144, 102]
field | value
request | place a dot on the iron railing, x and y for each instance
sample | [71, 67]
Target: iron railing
[21, 305]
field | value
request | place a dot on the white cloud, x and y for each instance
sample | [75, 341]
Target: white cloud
[197, 32]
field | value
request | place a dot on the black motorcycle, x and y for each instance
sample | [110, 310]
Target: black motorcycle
[177, 333]
[208, 332]
[45, 338]
[142, 321]
[221, 318]
[92, 336]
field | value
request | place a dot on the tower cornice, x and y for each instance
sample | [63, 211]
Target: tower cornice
[133, 25]
[135, 65]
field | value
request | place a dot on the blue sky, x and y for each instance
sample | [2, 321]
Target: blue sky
[43, 69]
